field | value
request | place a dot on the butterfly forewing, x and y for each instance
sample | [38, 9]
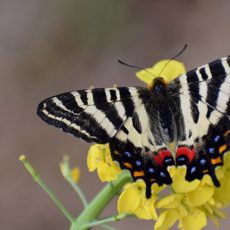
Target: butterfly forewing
[93, 115]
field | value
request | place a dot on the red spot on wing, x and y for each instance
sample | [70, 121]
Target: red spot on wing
[161, 155]
[186, 151]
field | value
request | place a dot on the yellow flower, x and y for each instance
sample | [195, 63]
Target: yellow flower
[185, 204]
[133, 201]
[192, 202]
[212, 210]
[67, 172]
[99, 158]
[180, 185]
[75, 174]
[166, 220]
[221, 194]
[167, 69]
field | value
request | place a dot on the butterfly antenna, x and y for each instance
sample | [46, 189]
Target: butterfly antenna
[176, 56]
[135, 66]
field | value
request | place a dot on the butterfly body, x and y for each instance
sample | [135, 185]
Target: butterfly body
[184, 122]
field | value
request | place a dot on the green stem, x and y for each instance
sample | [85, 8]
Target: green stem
[38, 179]
[107, 220]
[97, 205]
[78, 191]
[108, 227]
[66, 173]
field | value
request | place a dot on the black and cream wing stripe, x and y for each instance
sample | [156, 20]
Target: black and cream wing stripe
[94, 115]
[204, 97]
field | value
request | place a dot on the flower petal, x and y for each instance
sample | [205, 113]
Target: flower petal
[75, 174]
[171, 201]
[129, 200]
[221, 194]
[199, 196]
[146, 209]
[99, 158]
[166, 220]
[106, 173]
[226, 160]
[168, 69]
[206, 180]
[94, 156]
[157, 188]
[182, 210]
[132, 200]
[180, 185]
[195, 220]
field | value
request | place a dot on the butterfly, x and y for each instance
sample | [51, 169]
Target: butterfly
[185, 122]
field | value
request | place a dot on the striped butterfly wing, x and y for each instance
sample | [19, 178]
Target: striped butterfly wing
[204, 95]
[94, 115]
[120, 117]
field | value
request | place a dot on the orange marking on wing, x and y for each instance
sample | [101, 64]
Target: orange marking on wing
[138, 173]
[216, 160]
[222, 148]
[227, 133]
[205, 171]
[128, 165]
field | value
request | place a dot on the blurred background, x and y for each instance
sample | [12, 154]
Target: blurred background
[50, 47]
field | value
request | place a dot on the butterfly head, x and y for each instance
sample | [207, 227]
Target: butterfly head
[158, 85]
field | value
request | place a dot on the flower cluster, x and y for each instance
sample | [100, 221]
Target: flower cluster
[99, 158]
[188, 203]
